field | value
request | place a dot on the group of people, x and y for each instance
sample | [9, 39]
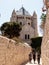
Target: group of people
[33, 55]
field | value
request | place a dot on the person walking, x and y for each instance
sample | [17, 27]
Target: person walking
[38, 58]
[34, 55]
[30, 57]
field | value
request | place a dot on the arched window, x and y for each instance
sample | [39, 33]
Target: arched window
[25, 36]
[28, 23]
[28, 36]
[20, 23]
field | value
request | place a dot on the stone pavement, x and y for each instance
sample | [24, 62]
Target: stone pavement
[36, 63]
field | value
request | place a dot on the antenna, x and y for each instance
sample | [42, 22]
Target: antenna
[0, 15]
[21, 3]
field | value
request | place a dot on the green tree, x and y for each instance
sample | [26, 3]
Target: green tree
[4, 27]
[10, 29]
[43, 19]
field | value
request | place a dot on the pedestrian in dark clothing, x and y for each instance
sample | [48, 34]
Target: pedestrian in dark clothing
[34, 57]
[30, 57]
[38, 58]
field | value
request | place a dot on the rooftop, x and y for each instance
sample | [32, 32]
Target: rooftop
[22, 11]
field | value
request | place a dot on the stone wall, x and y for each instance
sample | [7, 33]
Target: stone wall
[45, 42]
[12, 53]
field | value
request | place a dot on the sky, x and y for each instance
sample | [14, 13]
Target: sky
[7, 6]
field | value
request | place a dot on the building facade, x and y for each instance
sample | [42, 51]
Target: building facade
[28, 23]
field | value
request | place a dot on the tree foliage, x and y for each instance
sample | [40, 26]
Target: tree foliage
[10, 29]
[43, 19]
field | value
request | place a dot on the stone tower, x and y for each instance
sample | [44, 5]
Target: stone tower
[45, 41]
[34, 23]
[13, 16]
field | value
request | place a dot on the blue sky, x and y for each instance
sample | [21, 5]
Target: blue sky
[7, 6]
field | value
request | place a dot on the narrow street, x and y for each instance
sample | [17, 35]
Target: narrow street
[36, 63]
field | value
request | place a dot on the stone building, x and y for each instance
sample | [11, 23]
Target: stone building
[28, 23]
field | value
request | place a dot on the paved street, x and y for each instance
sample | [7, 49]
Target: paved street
[36, 63]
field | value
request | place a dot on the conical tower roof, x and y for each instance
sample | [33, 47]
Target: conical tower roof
[34, 14]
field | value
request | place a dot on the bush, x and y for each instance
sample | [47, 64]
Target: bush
[10, 29]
